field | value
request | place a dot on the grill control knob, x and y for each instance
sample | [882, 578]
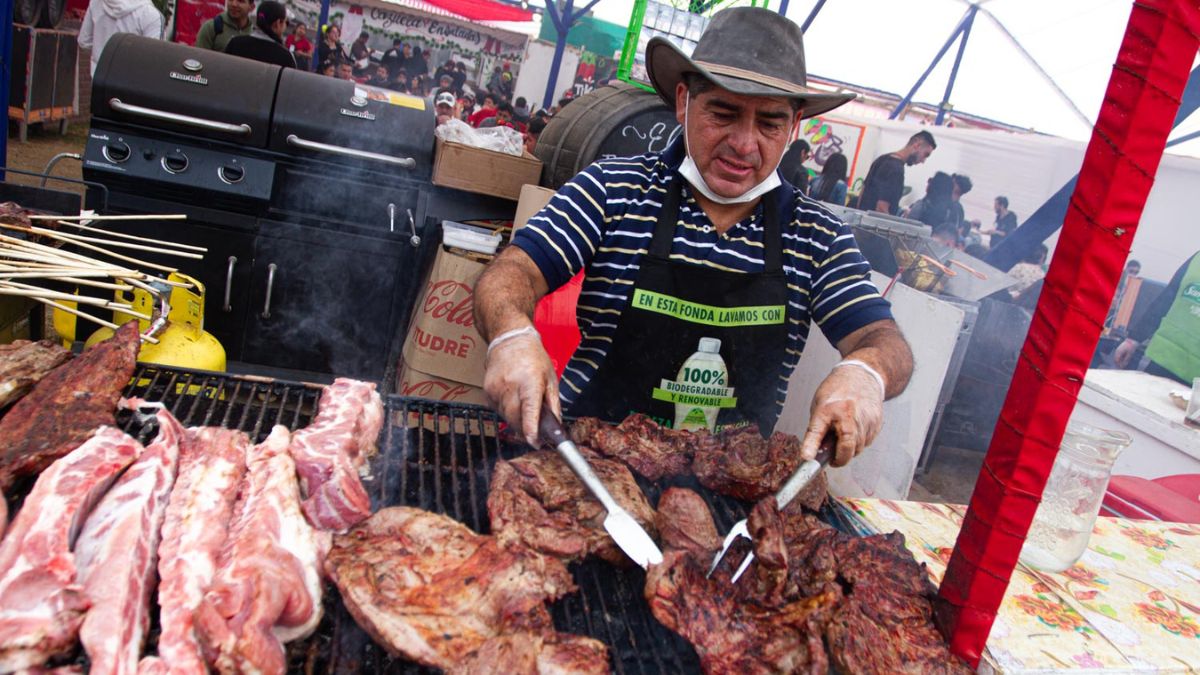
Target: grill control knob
[231, 173]
[175, 162]
[116, 152]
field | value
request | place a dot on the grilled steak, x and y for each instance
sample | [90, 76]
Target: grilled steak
[64, 409]
[117, 551]
[649, 449]
[685, 523]
[267, 590]
[742, 464]
[211, 464]
[24, 363]
[15, 214]
[538, 500]
[429, 589]
[332, 450]
[535, 654]
[41, 604]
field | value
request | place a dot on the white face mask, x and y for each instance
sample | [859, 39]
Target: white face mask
[691, 172]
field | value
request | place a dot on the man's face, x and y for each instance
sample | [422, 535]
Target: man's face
[406, 50]
[736, 141]
[922, 153]
[333, 32]
[345, 71]
[381, 72]
[445, 109]
[489, 102]
[301, 31]
[503, 116]
[238, 9]
[1133, 269]
[998, 206]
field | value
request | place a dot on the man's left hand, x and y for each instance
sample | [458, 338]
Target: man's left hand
[850, 402]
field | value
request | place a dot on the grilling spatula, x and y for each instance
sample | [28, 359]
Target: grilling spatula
[799, 480]
[621, 526]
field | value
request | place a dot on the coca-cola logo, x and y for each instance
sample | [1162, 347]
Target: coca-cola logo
[460, 348]
[442, 391]
[450, 301]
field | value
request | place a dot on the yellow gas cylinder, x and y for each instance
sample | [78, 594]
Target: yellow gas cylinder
[183, 341]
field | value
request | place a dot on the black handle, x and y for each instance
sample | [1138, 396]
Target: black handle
[827, 448]
[550, 428]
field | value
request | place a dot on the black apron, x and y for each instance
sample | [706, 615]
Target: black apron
[673, 305]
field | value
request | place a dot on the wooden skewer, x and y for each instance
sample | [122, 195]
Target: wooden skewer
[89, 282]
[121, 244]
[165, 216]
[69, 239]
[48, 271]
[13, 288]
[122, 235]
[977, 274]
[89, 317]
[22, 248]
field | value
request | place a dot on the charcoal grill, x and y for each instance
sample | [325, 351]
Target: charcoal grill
[436, 456]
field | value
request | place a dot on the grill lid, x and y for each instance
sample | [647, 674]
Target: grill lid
[343, 121]
[198, 92]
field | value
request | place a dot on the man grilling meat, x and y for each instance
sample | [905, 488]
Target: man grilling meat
[702, 240]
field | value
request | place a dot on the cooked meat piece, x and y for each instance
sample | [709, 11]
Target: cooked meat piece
[685, 523]
[24, 363]
[117, 551]
[212, 462]
[41, 603]
[429, 589]
[267, 590]
[538, 500]
[740, 463]
[730, 635]
[648, 449]
[15, 214]
[332, 451]
[537, 654]
[64, 409]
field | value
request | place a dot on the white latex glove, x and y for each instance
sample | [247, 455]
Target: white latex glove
[849, 401]
[518, 377]
[1124, 352]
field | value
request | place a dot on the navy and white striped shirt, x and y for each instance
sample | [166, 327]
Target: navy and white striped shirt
[602, 221]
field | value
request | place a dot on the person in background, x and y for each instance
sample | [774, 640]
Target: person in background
[380, 78]
[521, 110]
[945, 235]
[536, 126]
[792, 168]
[328, 69]
[105, 18]
[216, 33]
[298, 44]
[885, 179]
[331, 49]
[1170, 328]
[830, 186]
[360, 54]
[502, 118]
[460, 77]
[493, 83]
[418, 65]
[466, 105]
[1029, 271]
[399, 81]
[445, 70]
[934, 208]
[961, 185]
[345, 71]
[265, 43]
[443, 107]
[1006, 222]
[488, 109]
[393, 59]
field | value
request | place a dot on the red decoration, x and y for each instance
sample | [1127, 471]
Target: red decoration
[1118, 171]
[484, 10]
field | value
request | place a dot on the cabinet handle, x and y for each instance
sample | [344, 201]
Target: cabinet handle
[266, 313]
[412, 223]
[229, 282]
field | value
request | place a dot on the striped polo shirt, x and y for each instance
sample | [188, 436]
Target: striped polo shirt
[602, 222]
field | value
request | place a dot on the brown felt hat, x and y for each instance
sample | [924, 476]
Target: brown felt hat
[748, 50]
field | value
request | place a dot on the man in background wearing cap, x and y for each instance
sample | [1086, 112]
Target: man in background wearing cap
[701, 241]
[443, 104]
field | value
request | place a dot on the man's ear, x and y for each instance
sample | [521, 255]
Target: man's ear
[681, 101]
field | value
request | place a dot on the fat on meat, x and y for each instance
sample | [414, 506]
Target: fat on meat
[41, 603]
[212, 462]
[116, 554]
[267, 590]
[333, 450]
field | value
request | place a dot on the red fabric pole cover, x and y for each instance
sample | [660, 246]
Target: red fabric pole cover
[1118, 171]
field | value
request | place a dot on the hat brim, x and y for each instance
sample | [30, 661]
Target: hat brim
[666, 65]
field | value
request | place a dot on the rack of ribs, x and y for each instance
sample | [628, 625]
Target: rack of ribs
[538, 500]
[267, 590]
[42, 604]
[23, 364]
[65, 408]
[332, 451]
[211, 464]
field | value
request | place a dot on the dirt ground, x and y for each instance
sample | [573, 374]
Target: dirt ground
[45, 142]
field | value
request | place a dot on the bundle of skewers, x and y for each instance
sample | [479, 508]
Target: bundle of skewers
[51, 259]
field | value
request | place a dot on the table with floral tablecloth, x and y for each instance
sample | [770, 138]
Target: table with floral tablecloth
[1131, 603]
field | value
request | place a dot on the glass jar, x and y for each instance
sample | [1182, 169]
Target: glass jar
[1071, 501]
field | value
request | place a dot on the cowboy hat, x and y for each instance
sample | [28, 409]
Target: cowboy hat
[747, 50]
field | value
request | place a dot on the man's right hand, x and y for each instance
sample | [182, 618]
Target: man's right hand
[1124, 352]
[518, 378]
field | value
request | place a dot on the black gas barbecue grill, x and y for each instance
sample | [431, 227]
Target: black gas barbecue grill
[439, 457]
[312, 195]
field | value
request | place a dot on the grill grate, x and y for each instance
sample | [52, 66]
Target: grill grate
[439, 457]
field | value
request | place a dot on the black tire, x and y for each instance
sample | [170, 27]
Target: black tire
[52, 13]
[27, 11]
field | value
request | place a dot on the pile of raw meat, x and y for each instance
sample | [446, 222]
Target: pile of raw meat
[228, 537]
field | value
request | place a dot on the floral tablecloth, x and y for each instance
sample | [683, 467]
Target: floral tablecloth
[1131, 603]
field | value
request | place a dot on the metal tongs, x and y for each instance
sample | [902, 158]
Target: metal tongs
[788, 491]
[621, 526]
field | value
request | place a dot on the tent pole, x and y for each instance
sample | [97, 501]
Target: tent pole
[322, 22]
[962, 48]
[933, 64]
[811, 15]
[6, 50]
[562, 25]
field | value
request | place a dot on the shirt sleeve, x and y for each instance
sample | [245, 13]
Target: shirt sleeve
[562, 238]
[843, 296]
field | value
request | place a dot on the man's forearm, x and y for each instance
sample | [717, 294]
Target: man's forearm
[506, 294]
[881, 346]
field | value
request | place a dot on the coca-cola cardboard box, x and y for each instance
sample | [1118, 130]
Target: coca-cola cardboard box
[412, 382]
[442, 339]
